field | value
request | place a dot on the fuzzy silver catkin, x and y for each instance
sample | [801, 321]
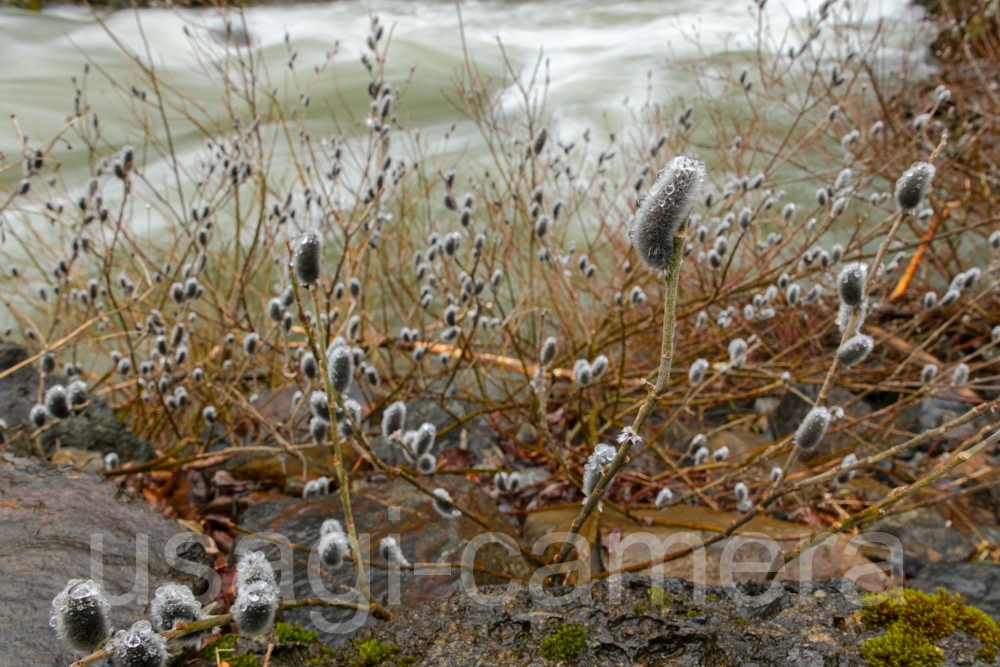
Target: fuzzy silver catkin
[792, 295]
[426, 464]
[813, 428]
[393, 419]
[254, 609]
[741, 492]
[603, 455]
[701, 320]
[851, 283]
[845, 477]
[971, 276]
[423, 442]
[392, 553]
[319, 404]
[57, 402]
[340, 361]
[254, 567]
[80, 615]
[960, 375]
[274, 309]
[697, 371]
[139, 646]
[506, 482]
[949, 298]
[745, 217]
[912, 186]
[308, 258]
[721, 245]
[598, 366]
[173, 604]
[333, 546]
[928, 373]
[250, 342]
[665, 210]
[443, 504]
[930, 299]
[855, 349]
[663, 497]
[582, 372]
[701, 455]
[308, 365]
[775, 474]
[737, 350]
[721, 454]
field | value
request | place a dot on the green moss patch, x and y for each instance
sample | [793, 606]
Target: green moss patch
[567, 643]
[371, 652]
[913, 620]
[295, 633]
[224, 643]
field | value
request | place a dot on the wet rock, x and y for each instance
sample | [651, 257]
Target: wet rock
[897, 524]
[49, 519]
[680, 625]
[396, 509]
[977, 583]
[925, 538]
[95, 429]
[624, 543]
[934, 545]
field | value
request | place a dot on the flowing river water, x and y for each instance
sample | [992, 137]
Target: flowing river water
[599, 53]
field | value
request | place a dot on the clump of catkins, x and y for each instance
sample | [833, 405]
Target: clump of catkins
[80, 615]
[583, 373]
[139, 646]
[173, 604]
[665, 209]
[507, 482]
[813, 428]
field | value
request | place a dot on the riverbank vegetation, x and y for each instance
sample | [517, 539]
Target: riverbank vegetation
[164, 282]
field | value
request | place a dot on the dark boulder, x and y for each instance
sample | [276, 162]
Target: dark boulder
[94, 429]
[51, 518]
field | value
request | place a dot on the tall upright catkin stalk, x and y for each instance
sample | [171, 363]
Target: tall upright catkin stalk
[658, 233]
[345, 495]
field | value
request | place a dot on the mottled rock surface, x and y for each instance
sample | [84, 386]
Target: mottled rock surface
[680, 625]
[977, 583]
[95, 429]
[48, 519]
[396, 509]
